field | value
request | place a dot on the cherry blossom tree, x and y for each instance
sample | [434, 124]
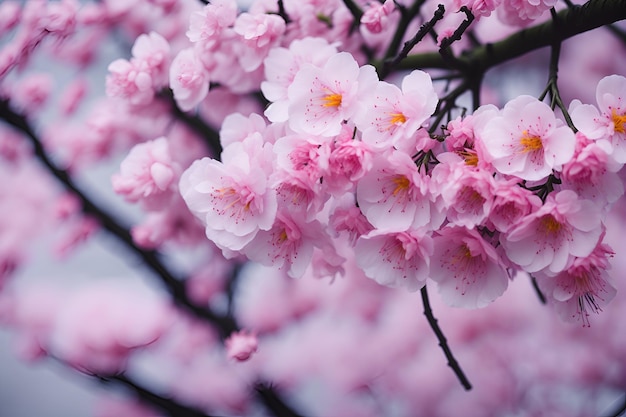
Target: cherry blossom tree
[288, 175]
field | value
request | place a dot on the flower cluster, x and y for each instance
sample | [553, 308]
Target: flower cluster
[299, 170]
[346, 165]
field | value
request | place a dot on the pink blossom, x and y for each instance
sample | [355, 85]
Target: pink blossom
[395, 259]
[73, 95]
[233, 198]
[563, 227]
[174, 224]
[460, 133]
[148, 174]
[303, 154]
[281, 66]
[127, 79]
[98, 327]
[32, 310]
[298, 194]
[592, 174]
[583, 288]
[76, 233]
[349, 160]
[391, 115]
[241, 345]
[608, 120]
[152, 52]
[527, 140]
[480, 8]
[522, 12]
[236, 128]
[32, 92]
[206, 26]
[9, 15]
[189, 80]
[288, 244]
[347, 217]
[320, 99]
[510, 204]
[375, 18]
[394, 195]
[466, 268]
[466, 192]
[260, 32]
[137, 79]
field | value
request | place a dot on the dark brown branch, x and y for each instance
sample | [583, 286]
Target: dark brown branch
[406, 17]
[542, 298]
[452, 363]
[168, 406]
[579, 19]
[209, 135]
[446, 43]
[408, 45]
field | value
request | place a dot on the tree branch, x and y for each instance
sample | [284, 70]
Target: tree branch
[579, 19]
[225, 324]
[388, 66]
[167, 405]
[90, 208]
[452, 363]
[195, 123]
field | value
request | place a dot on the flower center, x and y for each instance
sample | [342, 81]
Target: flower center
[619, 122]
[550, 225]
[402, 184]
[332, 100]
[462, 256]
[530, 143]
[469, 156]
[397, 118]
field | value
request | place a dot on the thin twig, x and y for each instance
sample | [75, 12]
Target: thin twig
[579, 19]
[406, 17]
[452, 363]
[444, 47]
[408, 45]
[282, 12]
[552, 85]
[542, 298]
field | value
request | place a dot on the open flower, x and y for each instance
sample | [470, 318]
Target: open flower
[527, 140]
[467, 268]
[320, 99]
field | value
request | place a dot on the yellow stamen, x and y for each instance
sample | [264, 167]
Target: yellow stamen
[530, 143]
[332, 100]
[469, 156]
[402, 184]
[550, 225]
[397, 118]
[619, 122]
[463, 254]
[283, 236]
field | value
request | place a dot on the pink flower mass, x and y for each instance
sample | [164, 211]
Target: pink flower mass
[404, 208]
